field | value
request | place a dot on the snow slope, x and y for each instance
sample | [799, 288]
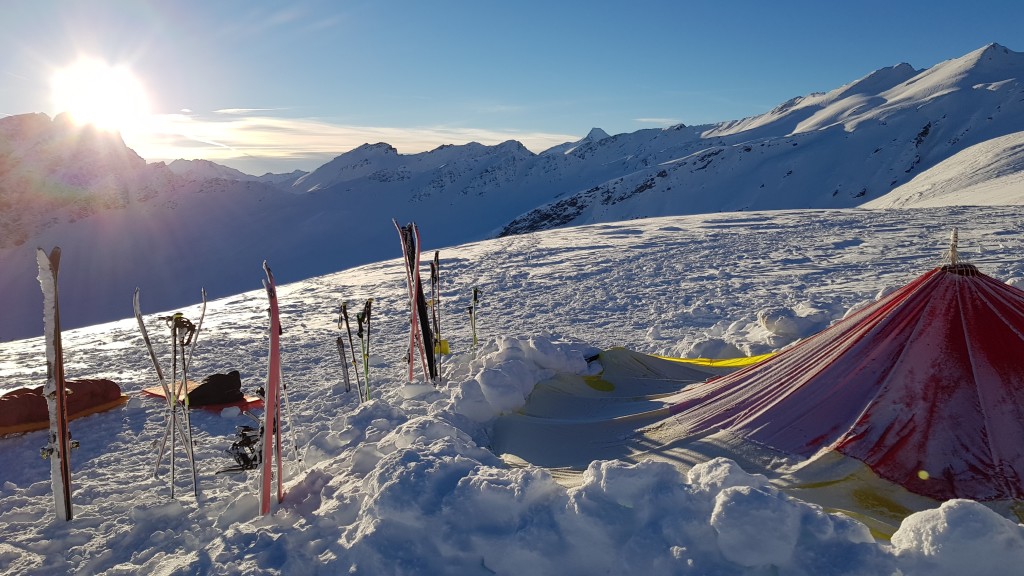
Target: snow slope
[838, 149]
[406, 484]
[989, 173]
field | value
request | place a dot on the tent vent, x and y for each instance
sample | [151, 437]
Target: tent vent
[963, 269]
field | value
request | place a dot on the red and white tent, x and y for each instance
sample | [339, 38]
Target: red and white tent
[925, 386]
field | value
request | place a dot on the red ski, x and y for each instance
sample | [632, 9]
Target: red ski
[271, 405]
[58, 449]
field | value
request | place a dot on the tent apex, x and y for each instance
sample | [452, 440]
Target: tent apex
[952, 256]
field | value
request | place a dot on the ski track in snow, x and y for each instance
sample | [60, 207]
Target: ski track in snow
[673, 286]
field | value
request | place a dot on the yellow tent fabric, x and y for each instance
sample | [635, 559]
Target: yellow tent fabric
[741, 362]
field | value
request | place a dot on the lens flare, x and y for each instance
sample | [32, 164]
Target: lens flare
[93, 92]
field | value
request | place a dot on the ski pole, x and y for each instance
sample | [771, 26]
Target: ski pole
[352, 347]
[472, 314]
[435, 298]
[363, 348]
[366, 358]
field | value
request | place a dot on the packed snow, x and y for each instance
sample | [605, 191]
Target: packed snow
[406, 483]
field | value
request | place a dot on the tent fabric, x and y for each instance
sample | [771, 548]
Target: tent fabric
[925, 386]
[740, 362]
[24, 409]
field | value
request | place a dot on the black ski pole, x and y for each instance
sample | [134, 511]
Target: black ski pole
[352, 347]
[366, 361]
[472, 313]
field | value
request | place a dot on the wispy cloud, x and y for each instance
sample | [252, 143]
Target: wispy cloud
[242, 111]
[658, 121]
[233, 134]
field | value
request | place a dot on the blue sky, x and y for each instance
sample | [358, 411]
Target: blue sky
[273, 86]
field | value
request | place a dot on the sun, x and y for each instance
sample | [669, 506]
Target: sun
[105, 96]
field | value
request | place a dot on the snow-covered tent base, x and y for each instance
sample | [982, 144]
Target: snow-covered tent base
[624, 414]
[632, 412]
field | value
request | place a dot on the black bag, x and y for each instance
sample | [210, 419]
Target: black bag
[217, 389]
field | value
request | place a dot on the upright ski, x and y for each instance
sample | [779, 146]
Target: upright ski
[58, 449]
[271, 443]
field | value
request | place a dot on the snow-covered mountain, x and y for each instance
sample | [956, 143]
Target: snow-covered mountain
[837, 149]
[207, 170]
[897, 130]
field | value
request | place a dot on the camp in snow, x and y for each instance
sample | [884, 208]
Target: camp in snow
[541, 437]
[443, 333]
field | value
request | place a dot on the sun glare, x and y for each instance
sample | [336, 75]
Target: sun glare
[96, 93]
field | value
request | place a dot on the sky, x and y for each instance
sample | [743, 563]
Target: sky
[277, 86]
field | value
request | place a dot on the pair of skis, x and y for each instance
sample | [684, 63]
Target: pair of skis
[421, 337]
[263, 449]
[178, 424]
[270, 442]
[59, 445]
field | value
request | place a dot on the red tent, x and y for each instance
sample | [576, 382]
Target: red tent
[925, 386]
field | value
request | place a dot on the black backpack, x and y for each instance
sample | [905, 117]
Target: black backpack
[217, 389]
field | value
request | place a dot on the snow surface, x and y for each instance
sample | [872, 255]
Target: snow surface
[405, 483]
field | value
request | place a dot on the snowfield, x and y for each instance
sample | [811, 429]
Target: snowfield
[406, 483]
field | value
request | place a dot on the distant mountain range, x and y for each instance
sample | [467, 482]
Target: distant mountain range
[899, 137]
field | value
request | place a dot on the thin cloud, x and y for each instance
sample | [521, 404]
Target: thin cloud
[658, 121]
[273, 138]
[242, 111]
